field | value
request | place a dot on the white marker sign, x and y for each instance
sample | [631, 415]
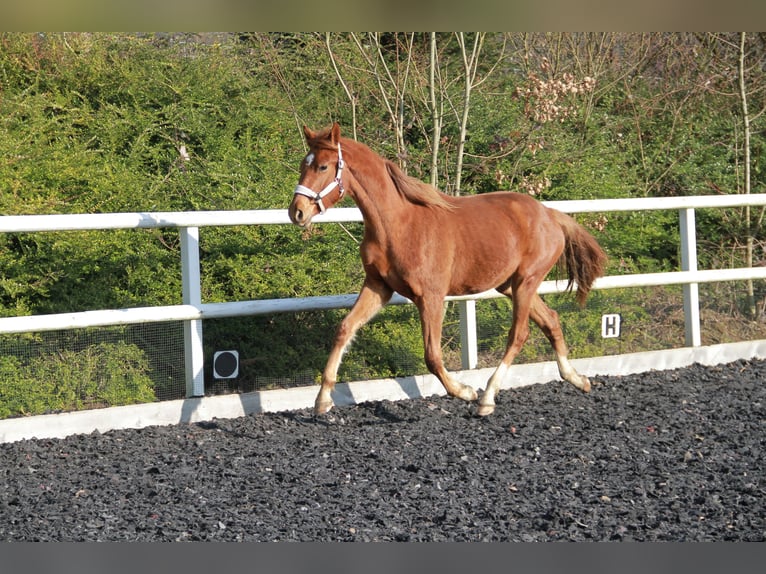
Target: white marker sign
[610, 325]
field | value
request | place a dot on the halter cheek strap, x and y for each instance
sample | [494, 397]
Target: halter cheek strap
[318, 196]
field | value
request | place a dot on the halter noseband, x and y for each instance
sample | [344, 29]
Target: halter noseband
[318, 196]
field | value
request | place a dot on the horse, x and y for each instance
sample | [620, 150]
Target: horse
[425, 245]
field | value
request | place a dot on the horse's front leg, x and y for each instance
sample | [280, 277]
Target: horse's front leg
[431, 318]
[373, 296]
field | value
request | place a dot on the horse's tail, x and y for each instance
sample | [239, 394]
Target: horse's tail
[582, 255]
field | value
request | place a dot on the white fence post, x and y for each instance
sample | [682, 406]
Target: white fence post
[691, 290]
[469, 351]
[192, 295]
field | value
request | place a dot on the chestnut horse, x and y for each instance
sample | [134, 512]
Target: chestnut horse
[426, 245]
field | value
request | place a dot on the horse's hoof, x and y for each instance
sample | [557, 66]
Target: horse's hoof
[468, 394]
[322, 407]
[485, 410]
[580, 381]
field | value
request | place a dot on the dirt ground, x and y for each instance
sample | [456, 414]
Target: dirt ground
[671, 456]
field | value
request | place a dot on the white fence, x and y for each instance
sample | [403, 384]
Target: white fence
[194, 310]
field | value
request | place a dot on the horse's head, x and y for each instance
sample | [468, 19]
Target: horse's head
[321, 183]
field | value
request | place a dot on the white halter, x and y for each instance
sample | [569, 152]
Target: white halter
[318, 196]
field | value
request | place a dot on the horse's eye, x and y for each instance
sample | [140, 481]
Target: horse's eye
[323, 167]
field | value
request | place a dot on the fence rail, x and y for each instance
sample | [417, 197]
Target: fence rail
[193, 311]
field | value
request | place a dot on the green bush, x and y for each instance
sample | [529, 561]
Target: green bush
[104, 374]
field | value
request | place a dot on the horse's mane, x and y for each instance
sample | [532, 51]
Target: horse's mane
[411, 188]
[415, 190]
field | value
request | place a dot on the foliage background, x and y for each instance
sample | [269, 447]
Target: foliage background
[95, 122]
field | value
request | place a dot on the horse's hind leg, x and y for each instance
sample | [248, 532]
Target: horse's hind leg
[372, 297]
[548, 321]
[431, 319]
[517, 336]
[528, 305]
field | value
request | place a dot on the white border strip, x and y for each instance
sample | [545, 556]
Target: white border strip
[232, 406]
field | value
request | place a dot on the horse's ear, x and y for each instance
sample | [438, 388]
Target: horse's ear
[308, 134]
[335, 133]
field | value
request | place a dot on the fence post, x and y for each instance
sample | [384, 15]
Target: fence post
[691, 290]
[469, 352]
[192, 295]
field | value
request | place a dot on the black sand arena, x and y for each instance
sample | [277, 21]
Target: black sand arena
[672, 456]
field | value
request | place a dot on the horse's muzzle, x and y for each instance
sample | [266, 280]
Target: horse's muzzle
[300, 216]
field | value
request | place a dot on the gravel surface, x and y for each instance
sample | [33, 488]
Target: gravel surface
[674, 455]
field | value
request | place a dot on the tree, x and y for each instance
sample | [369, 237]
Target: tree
[746, 150]
[742, 82]
[386, 64]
